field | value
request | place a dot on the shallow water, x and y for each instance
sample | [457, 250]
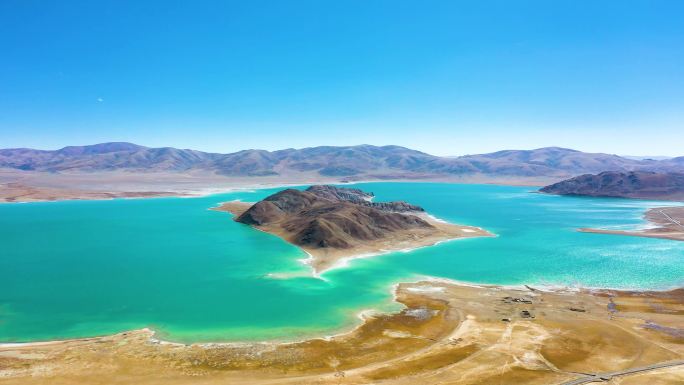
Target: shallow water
[84, 268]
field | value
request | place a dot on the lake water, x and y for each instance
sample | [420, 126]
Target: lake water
[85, 268]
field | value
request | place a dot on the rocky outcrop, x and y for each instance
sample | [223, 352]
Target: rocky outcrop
[645, 185]
[397, 206]
[337, 193]
[361, 198]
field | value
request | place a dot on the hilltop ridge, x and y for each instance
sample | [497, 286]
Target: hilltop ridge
[331, 161]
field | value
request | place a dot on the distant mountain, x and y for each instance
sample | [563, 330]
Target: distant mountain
[548, 161]
[104, 157]
[324, 160]
[353, 162]
[636, 184]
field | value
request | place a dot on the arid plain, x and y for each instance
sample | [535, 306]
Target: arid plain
[447, 334]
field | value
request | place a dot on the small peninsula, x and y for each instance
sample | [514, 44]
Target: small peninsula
[333, 224]
[668, 223]
[634, 184]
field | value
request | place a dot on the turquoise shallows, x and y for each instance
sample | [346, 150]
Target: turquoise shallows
[84, 268]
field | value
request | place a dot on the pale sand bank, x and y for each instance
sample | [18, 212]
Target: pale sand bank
[667, 223]
[325, 259]
[33, 186]
[447, 334]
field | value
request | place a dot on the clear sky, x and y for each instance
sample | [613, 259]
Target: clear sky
[446, 77]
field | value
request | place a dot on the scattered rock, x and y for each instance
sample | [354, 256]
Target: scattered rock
[526, 314]
[516, 300]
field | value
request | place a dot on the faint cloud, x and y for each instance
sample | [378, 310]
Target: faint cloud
[100, 100]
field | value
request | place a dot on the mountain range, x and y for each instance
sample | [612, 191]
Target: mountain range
[352, 162]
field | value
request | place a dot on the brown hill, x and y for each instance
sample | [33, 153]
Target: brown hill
[332, 223]
[645, 185]
[327, 218]
[355, 162]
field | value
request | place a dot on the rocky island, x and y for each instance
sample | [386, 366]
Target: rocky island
[333, 224]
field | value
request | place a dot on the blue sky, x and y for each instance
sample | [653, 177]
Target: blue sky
[446, 77]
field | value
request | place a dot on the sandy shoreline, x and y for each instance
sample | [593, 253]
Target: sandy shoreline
[446, 333]
[430, 284]
[326, 259]
[666, 223]
[42, 187]
[10, 193]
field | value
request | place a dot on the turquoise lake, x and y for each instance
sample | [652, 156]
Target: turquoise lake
[85, 268]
